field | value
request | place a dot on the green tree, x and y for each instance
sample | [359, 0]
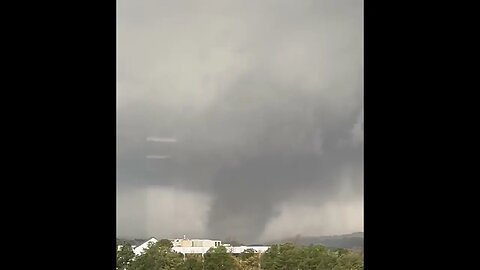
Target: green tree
[270, 259]
[192, 262]
[125, 256]
[290, 256]
[349, 261]
[165, 243]
[218, 259]
[316, 258]
[158, 257]
[247, 253]
[249, 259]
[285, 256]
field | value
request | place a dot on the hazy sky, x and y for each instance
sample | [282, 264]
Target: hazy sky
[239, 119]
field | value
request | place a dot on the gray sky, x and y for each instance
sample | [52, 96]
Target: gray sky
[239, 119]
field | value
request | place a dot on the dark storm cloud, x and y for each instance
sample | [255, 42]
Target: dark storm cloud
[258, 100]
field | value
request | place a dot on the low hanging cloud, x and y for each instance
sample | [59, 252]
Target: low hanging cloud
[255, 104]
[332, 218]
[174, 213]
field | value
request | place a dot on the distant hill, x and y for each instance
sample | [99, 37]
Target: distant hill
[347, 241]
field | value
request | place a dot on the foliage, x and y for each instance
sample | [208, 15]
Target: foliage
[125, 256]
[285, 256]
[349, 261]
[317, 257]
[192, 262]
[218, 258]
[160, 256]
[165, 243]
[289, 256]
[249, 260]
[246, 254]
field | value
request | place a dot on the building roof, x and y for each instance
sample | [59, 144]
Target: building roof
[139, 249]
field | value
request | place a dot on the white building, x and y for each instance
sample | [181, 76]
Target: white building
[198, 246]
[140, 249]
[196, 243]
[233, 250]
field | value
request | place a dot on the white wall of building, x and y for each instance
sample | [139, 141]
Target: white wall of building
[234, 250]
[206, 245]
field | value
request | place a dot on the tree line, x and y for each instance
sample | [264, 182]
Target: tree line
[160, 256]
